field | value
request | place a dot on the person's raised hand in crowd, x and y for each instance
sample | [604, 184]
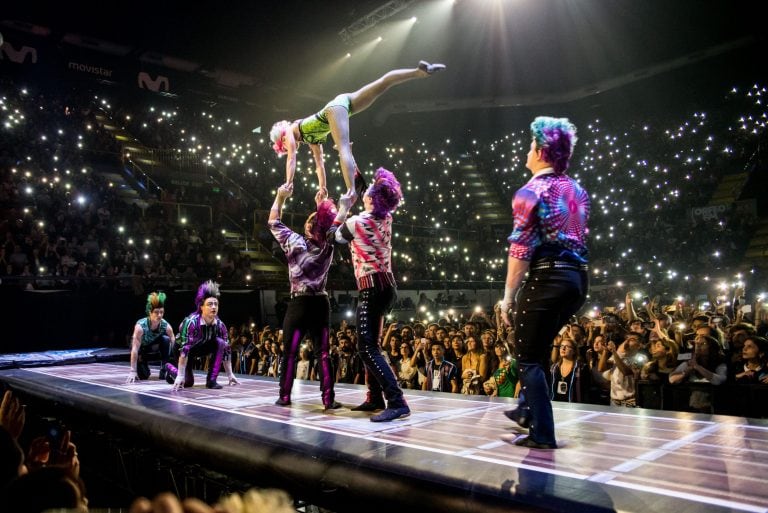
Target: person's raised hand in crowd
[67, 454]
[652, 306]
[12, 414]
[712, 303]
[657, 329]
[41, 453]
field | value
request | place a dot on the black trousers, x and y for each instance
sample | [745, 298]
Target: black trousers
[544, 303]
[373, 304]
[307, 315]
[158, 349]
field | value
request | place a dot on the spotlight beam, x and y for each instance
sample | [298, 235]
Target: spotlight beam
[518, 100]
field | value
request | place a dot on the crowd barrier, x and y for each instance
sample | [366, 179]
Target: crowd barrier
[728, 399]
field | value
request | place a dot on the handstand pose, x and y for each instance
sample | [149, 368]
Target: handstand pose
[334, 119]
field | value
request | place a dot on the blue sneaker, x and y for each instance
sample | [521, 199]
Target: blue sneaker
[391, 414]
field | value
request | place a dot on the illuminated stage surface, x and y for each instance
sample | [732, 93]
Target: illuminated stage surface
[447, 456]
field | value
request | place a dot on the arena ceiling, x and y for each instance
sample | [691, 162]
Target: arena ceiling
[500, 53]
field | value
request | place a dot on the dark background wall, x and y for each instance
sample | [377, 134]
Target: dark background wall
[66, 319]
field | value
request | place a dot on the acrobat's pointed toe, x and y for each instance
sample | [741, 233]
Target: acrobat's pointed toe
[430, 68]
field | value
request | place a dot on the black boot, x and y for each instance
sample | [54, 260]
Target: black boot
[142, 370]
[335, 405]
[170, 373]
[520, 416]
[189, 376]
[370, 404]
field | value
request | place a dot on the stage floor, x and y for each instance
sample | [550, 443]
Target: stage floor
[450, 447]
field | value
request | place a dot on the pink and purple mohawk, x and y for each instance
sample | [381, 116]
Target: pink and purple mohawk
[384, 192]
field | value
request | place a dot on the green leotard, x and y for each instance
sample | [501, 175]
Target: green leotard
[315, 129]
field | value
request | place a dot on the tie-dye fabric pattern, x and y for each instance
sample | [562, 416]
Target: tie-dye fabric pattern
[549, 209]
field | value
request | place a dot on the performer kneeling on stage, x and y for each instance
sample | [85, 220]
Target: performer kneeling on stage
[549, 242]
[309, 312]
[152, 338]
[370, 239]
[203, 333]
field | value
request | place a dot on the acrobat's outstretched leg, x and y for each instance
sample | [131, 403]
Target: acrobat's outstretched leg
[338, 117]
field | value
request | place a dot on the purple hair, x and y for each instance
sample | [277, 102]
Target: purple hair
[384, 192]
[207, 289]
[324, 216]
[555, 137]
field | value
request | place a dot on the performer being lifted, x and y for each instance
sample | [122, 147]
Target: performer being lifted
[334, 119]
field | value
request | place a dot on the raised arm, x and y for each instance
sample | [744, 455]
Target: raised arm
[345, 202]
[283, 192]
[629, 307]
[619, 362]
[317, 154]
[290, 157]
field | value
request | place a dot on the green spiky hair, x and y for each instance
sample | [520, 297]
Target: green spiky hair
[155, 300]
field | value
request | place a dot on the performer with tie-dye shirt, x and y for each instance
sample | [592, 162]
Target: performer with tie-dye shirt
[369, 236]
[549, 242]
[309, 311]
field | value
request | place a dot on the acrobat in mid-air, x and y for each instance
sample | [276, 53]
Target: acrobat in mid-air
[334, 119]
